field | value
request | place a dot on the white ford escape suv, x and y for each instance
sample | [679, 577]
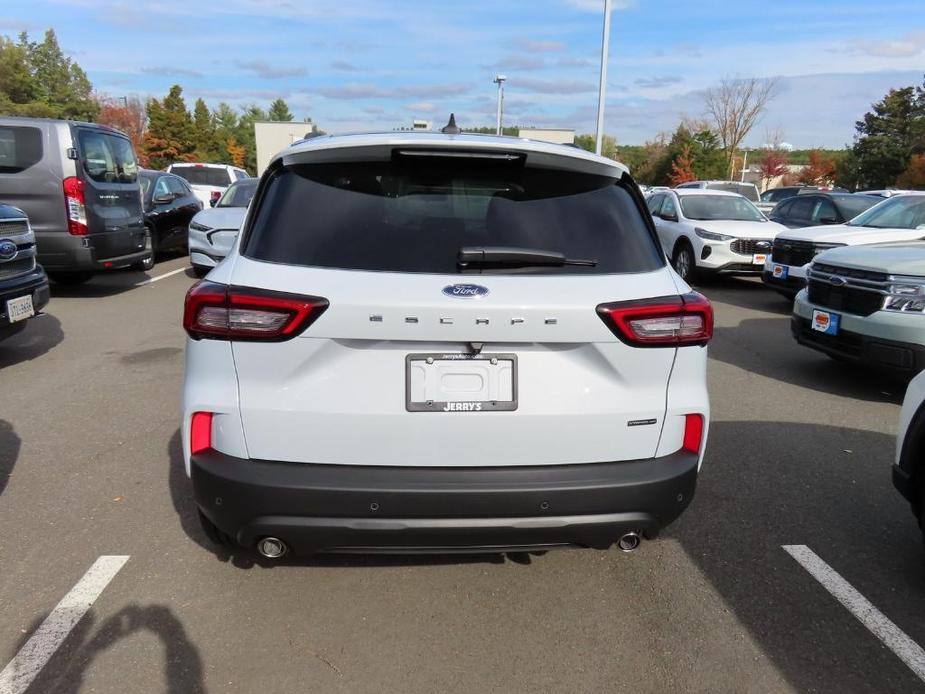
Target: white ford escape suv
[443, 342]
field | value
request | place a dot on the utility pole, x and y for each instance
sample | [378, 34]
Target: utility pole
[744, 164]
[500, 80]
[602, 94]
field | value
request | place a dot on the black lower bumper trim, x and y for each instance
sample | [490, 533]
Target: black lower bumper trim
[790, 286]
[335, 508]
[887, 354]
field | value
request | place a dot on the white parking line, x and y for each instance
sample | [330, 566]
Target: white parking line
[151, 280]
[38, 650]
[891, 635]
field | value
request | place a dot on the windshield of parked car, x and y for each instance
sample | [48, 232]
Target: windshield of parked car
[202, 175]
[415, 216]
[239, 194]
[901, 212]
[716, 207]
[747, 190]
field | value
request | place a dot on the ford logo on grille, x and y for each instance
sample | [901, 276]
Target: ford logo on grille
[8, 250]
[838, 281]
[763, 245]
[465, 291]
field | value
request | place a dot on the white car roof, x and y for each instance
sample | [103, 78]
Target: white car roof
[375, 146]
[706, 191]
[200, 165]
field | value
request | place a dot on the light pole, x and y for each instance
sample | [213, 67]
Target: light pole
[745, 151]
[602, 94]
[500, 80]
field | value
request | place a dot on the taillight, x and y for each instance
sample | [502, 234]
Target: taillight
[221, 312]
[76, 204]
[200, 432]
[214, 196]
[665, 322]
[693, 433]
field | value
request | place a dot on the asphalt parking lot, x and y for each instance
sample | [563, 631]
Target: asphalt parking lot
[799, 454]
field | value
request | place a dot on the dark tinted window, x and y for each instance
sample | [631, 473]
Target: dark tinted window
[107, 158]
[783, 208]
[748, 190]
[238, 194]
[176, 186]
[404, 217]
[778, 194]
[853, 205]
[202, 175]
[655, 202]
[20, 148]
[802, 208]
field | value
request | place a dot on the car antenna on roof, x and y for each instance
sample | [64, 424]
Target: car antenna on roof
[451, 128]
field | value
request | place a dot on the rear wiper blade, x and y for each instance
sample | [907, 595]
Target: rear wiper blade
[516, 257]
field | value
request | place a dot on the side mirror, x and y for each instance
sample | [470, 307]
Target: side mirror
[828, 220]
[670, 217]
[164, 199]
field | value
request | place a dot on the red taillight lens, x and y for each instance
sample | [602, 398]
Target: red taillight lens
[693, 433]
[200, 432]
[215, 195]
[220, 312]
[75, 204]
[665, 322]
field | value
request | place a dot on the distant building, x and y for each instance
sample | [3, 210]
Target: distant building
[558, 136]
[420, 125]
[273, 136]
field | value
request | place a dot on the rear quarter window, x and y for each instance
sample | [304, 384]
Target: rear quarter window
[107, 158]
[393, 217]
[20, 148]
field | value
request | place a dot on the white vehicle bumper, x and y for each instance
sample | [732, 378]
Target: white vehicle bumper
[209, 248]
[718, 256]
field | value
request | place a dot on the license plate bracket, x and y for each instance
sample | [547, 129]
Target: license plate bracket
[826, 322]
[780, 272]
[460, 382]
[20, 308]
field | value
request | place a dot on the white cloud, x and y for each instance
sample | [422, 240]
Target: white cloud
[598, 5]
[268, 72]
[906, 46]
[422, 106]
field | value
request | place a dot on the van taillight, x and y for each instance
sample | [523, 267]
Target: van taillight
[672, 321]
[221, 312]
[75, 203]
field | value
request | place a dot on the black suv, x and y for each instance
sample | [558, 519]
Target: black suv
[23, 284]
[815, 208]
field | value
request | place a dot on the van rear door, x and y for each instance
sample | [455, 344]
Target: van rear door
[109, 172]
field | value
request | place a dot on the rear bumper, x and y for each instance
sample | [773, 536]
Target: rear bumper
[34, 283]
[330, 508]
[62, 252]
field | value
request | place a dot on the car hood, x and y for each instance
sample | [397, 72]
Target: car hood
[221, 217]
[852, 236]
[742, 230]
[902, 258]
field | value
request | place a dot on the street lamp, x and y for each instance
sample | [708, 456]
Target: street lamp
[745, 151]
[500, 80]
[605, 50]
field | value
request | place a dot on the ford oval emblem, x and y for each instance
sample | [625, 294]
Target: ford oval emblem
[838, 281]
[465, 291]
[8, 250]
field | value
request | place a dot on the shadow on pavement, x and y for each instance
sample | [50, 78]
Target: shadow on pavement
[841, 503]
[766, 347]
[747, 293]
[181, 493]
[9, 452]
[40, 335]
[66, 672]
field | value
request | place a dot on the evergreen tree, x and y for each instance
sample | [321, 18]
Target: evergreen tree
[58, 81]
[279, 111]
[204, 134]
[244, 134]
[170, 130]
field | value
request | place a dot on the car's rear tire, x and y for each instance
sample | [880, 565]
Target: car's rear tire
[201, 271]
[215, 535]
[147, 264]
[70, 279]
[683, 261]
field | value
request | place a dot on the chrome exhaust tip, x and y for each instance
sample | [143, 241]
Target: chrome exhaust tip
[629, 542]
[271, 548]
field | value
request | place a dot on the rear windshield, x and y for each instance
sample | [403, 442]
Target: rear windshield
[239, 194]
[202, 175]
[716, 207]
[853, 205]
[107, 158]
[746, 189]
[404, 217]
[20, 148]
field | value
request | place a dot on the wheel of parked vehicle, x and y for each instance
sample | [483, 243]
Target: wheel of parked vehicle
[150, 244]
[70, 278]
[201, 271]
[213, 533]
[683, 261]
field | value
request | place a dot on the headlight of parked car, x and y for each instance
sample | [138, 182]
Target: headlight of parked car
[712, 235]
[196, 226]
[908, 297]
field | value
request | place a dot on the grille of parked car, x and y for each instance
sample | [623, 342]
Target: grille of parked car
[845, 289]
[19, 266]
[14, 228]
[750, 246]
[788, 252]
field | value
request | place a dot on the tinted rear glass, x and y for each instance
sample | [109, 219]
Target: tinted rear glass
[107, 158]
[202, 175]
[851, 206]
[403, 217]
[20, 148]
[746, 189]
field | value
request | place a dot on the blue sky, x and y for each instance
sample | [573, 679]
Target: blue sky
[377, 64]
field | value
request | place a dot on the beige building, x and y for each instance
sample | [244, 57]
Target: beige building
[273, 136]
[558, 136]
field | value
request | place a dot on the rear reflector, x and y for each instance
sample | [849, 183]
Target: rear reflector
[693, 432]
[200, 432]
[220, 312]
[671, 321]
